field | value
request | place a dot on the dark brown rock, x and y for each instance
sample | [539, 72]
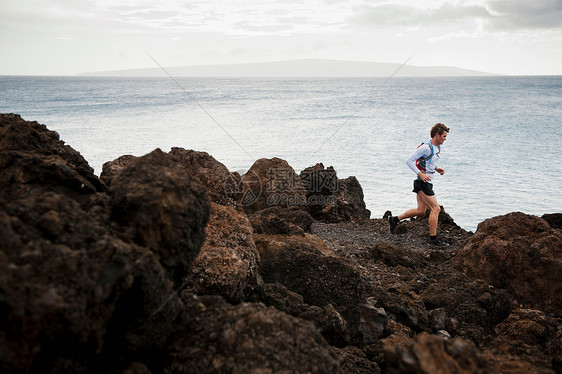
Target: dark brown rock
[110, 169]
[518, 252]
[531, 327]
[70, 291]
[227, 261]
[284, 221]
[528, 341]
[431, 354]
[331, 199]
[393, 255]
[33, 158]
[86, 277]
[307, 267]
[215, 337]
[159, 206]
[354, 361]
[467, 308]
[211, 173]
[327, 319]
[271, 182]
[351, 201]
[554, 220]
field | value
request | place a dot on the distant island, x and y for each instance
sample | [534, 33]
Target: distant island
[296, 68]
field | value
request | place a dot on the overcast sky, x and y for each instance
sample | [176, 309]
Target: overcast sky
[66, 37]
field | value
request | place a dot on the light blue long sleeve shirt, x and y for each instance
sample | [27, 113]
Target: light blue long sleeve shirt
[424, 151]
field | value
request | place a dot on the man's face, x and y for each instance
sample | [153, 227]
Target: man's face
[441, 138]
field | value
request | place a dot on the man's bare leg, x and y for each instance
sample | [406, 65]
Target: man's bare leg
[419, 211]
[431, 202]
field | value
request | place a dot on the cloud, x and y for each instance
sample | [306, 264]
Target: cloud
[525, 14]
[411, 16]
[500, 15]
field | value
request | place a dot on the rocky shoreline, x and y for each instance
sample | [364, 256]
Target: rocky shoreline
[170, 263]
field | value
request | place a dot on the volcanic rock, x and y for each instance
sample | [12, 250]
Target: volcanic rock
[216, 337]
[331, 199]
[159, 206]
[327, 319]
[33, 158]
[518, 252]
[528, 341]
[71, 293]
[227, 261]
[96, 279]
[554, 220]
[351, 203]
[284, 221]
[271, 182]
[308, 268]
[211, 173]
[431, 354]
[110, 169]
[470, 311]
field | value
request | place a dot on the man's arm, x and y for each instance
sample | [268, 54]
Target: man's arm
[422, 151]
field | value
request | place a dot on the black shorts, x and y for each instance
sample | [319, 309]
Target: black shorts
[427, 188]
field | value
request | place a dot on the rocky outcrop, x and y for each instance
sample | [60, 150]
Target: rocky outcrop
[216, 337]
[160, 206]
[143, 274]
[228, 260]
[307, 267]
[76, 292]
[34, 159]
[284, 221]
[71, 293]
[471, 312]
[331, 199]
[520, 253]
[110, 169]
[221, 185]
[524, 342]
[554, 220]
[271, 182]
[431, 354]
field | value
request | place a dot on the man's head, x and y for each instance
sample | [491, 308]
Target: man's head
[439, 129]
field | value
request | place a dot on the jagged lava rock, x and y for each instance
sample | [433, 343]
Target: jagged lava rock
[271, 182]
[160, 206]
[280, 220]
[210, 172]
[72, 295]
[33, 158]
[306, 266]
[518, 252]
[227, 261]
[110, 169]
[528, 341]
[465, 307]
[553, 219]
[216, 337]
[431, 354]
[331, 199]
[327, 319]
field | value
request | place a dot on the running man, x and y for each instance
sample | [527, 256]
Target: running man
[423, 162]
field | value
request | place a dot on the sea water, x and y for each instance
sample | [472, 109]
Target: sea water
[502, 154]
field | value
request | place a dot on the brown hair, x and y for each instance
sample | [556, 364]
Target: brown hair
[438, 128]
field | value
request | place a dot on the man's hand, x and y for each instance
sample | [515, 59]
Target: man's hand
[424, 177]
[440, 171]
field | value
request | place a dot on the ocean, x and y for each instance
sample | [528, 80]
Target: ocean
[502, 154]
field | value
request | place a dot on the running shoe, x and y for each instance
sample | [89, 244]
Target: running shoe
[392, 224]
